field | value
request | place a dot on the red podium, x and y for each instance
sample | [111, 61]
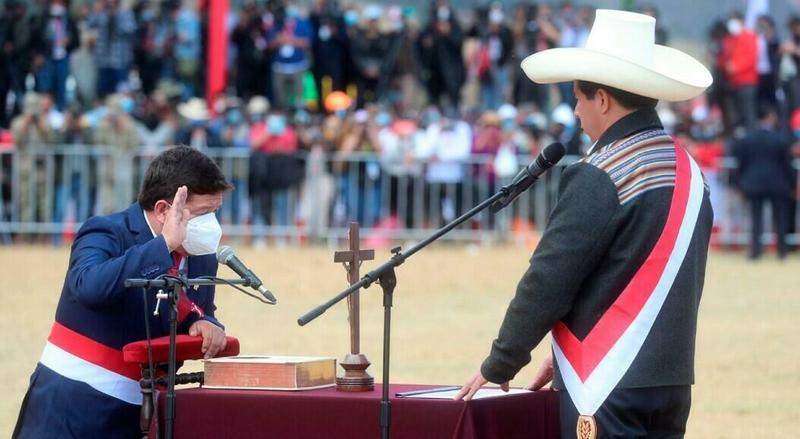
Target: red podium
[186, 348]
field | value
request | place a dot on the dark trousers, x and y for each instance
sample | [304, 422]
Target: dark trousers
[780, 216]
[368, 91]
[649, 412]
[745, 99]
[767, 89]
[438, 87]
[108, 79]
[401, 199]
[5, 89]
[52, 78]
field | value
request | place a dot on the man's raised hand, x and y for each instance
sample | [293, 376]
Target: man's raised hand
[174, 229]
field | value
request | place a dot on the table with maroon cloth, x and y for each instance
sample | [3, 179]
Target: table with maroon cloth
[330, 414]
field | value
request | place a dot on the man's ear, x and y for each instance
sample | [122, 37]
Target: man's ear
[160, 210]
[603, 101]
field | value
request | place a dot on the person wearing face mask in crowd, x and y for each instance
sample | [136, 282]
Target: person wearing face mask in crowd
[115, 27]
[337, 104]
[532, 30]
[739, 59]
[117, 135]
[513, 133]
[233, 131]
[196, 131]
[81, 387]
[399, 142]
[330, 45]
[57, 37]
[274, 168]
[31, 129]
[441, 59]
[358, 173]
[233, 127]
[289, 42]
[156, 122]
[768, 61]
[405, 90]
[18, 34]
[565, 129]
[252, 75]
[446, 152]
[790, 59]
[370, 52]
[495, 51]
[351, 17]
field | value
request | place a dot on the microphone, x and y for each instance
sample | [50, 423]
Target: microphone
[526, 177]
[226, 256]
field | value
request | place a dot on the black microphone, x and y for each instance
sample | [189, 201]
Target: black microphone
[526, 177]
[226, 256]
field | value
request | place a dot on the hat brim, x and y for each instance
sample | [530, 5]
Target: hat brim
[674, 75]
[192, 113]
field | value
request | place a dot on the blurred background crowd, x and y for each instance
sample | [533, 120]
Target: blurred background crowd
[397, 117]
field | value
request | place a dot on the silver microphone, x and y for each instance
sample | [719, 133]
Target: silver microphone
[226, 256]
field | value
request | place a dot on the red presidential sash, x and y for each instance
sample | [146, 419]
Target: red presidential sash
[591, 368]
[79, 358]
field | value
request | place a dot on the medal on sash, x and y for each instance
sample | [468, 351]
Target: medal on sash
[587, 427]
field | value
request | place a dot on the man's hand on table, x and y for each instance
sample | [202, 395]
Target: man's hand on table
[544, 375]
[472, 386]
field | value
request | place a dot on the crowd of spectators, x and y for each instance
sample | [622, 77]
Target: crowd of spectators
[423, 92]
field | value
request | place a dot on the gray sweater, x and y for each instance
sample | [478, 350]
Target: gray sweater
[612, 208]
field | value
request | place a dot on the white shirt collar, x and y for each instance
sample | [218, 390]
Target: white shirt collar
[148, 223]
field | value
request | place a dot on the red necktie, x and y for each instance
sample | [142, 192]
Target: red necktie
[185, 305]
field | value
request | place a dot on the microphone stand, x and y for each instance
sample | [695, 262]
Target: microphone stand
[387, 279]
[169, 289]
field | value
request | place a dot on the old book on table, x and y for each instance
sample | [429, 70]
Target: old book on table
[269, 372]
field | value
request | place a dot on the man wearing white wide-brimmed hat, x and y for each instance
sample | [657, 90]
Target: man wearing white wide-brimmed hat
[618, 273]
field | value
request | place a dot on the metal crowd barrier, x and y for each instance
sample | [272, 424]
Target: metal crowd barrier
[66, 184]
[731, 213]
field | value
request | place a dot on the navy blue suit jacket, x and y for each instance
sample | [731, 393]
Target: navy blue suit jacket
[107, 251]
[95, 303]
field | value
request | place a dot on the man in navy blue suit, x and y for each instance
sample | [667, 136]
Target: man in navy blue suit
[81, 387]
[766, 176]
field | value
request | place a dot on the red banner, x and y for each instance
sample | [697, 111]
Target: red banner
[216, 68]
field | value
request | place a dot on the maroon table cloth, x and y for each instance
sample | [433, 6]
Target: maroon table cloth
[326, 413]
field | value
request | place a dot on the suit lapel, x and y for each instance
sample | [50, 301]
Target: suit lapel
[137, 224]
[199, 265]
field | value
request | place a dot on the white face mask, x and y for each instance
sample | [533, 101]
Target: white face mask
[496, 16]
[734, 26]
[324, 33]
[202, 235]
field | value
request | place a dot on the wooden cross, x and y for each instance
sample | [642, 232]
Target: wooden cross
[351, 259]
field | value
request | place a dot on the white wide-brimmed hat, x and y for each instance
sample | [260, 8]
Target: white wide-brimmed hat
[620, 52]
[258, 105]
[194, 109]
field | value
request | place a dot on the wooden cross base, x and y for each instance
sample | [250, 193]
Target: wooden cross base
[356, 378]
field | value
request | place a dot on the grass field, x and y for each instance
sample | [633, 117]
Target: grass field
[448, 307]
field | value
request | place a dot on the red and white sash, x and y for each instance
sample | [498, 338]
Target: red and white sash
[591, 368]
[78, 357]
